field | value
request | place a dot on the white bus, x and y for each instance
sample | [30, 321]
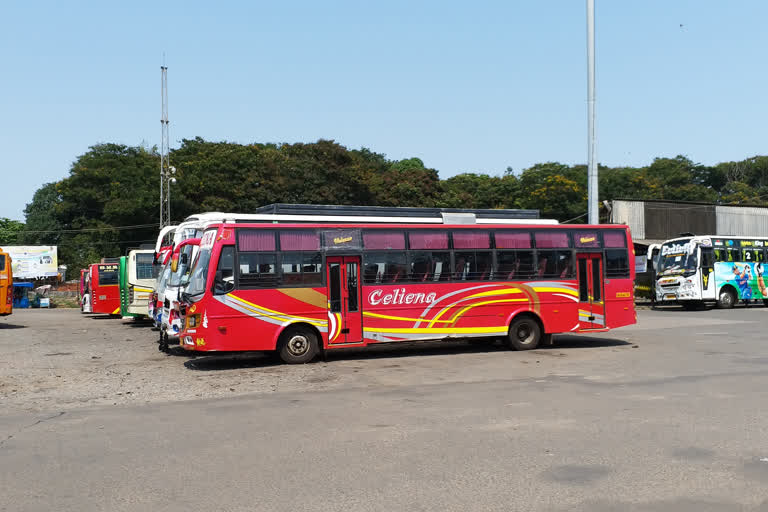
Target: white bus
[695, 270]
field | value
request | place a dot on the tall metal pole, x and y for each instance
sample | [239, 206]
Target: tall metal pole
[165, 209]
[592, 194]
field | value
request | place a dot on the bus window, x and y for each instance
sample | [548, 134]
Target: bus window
[473, 266]
[144, 265]
[302, 268]
[551, 239]
[108, 275]
[257, 270]
[721, 255]
[513, 265]
[225, 271]
[751, 255]
[616, 263]
[615, 238]
[429, 266]
[384, 267]
[554, 264]
[734, 254]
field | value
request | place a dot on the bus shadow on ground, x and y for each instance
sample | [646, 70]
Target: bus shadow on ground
[12, 326]
[235, 361]
[568, 341]
[139, 323]
[229, 361]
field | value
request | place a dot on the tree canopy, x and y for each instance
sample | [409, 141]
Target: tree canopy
[109, 201]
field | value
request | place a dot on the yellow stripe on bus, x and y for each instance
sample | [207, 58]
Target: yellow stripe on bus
[441, 330]
[313, 321]
[455, 317]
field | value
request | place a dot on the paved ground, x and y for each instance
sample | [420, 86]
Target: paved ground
[666, 415]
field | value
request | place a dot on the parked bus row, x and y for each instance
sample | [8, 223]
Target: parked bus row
[301, 282]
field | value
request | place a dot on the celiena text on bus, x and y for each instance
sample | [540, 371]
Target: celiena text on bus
[398, 296]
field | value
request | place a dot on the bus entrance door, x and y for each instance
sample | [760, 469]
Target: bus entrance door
[345, 318]
[591, 302]
[707, 273]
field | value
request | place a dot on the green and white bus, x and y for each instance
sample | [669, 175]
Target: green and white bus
[137, 280]
[695, 270]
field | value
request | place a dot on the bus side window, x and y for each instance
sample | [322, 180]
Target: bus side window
[707, 258]
[391, 267]
[720, 255]
[616, 263]
[761, 255]
[224, 280]
[513, 265]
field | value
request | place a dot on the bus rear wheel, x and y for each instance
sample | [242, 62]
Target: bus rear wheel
[726, 299]
[298, 345]
[524, 333]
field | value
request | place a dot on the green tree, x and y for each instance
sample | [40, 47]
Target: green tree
[10, 231]
[407, 183]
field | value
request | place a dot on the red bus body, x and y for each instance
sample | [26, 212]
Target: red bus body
[349, 308]
[105, 288]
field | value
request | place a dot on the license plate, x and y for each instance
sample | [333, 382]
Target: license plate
[670, 296]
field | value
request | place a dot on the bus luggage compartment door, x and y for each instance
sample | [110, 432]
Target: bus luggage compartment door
[344, 300]
[591, 292]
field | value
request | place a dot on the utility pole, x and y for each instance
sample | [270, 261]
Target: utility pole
[592, 194]
[165, 174]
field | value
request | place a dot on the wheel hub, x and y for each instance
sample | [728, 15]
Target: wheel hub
[298, 345]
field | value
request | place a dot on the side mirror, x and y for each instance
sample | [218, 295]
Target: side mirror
[184, 259]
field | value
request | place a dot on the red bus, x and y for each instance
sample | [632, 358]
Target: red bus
[302, 288]
[105, 288]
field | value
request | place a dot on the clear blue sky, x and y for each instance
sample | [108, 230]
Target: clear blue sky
[465, 86]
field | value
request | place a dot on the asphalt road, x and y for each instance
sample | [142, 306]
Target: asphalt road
[666, 415]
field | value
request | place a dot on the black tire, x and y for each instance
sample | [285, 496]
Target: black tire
[298, 345]
[525, 333]
[726, 299]
[765, 301]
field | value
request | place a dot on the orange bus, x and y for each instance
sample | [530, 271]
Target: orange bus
[6, 284]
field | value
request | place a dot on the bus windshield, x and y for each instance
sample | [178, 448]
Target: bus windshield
[162, 279]
[677, 258]
[183, 268]
[199, 273]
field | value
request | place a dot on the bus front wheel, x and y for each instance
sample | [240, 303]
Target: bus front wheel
[298, 345]
[524, 333]
[726, 299]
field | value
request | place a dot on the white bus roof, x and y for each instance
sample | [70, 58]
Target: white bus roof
[279, 213]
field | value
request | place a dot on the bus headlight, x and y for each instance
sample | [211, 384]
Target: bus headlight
[193, 321]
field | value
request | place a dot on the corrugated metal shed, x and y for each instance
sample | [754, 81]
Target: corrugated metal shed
[742, 221]
[661, 220]
[631, 213]
[667, 219]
